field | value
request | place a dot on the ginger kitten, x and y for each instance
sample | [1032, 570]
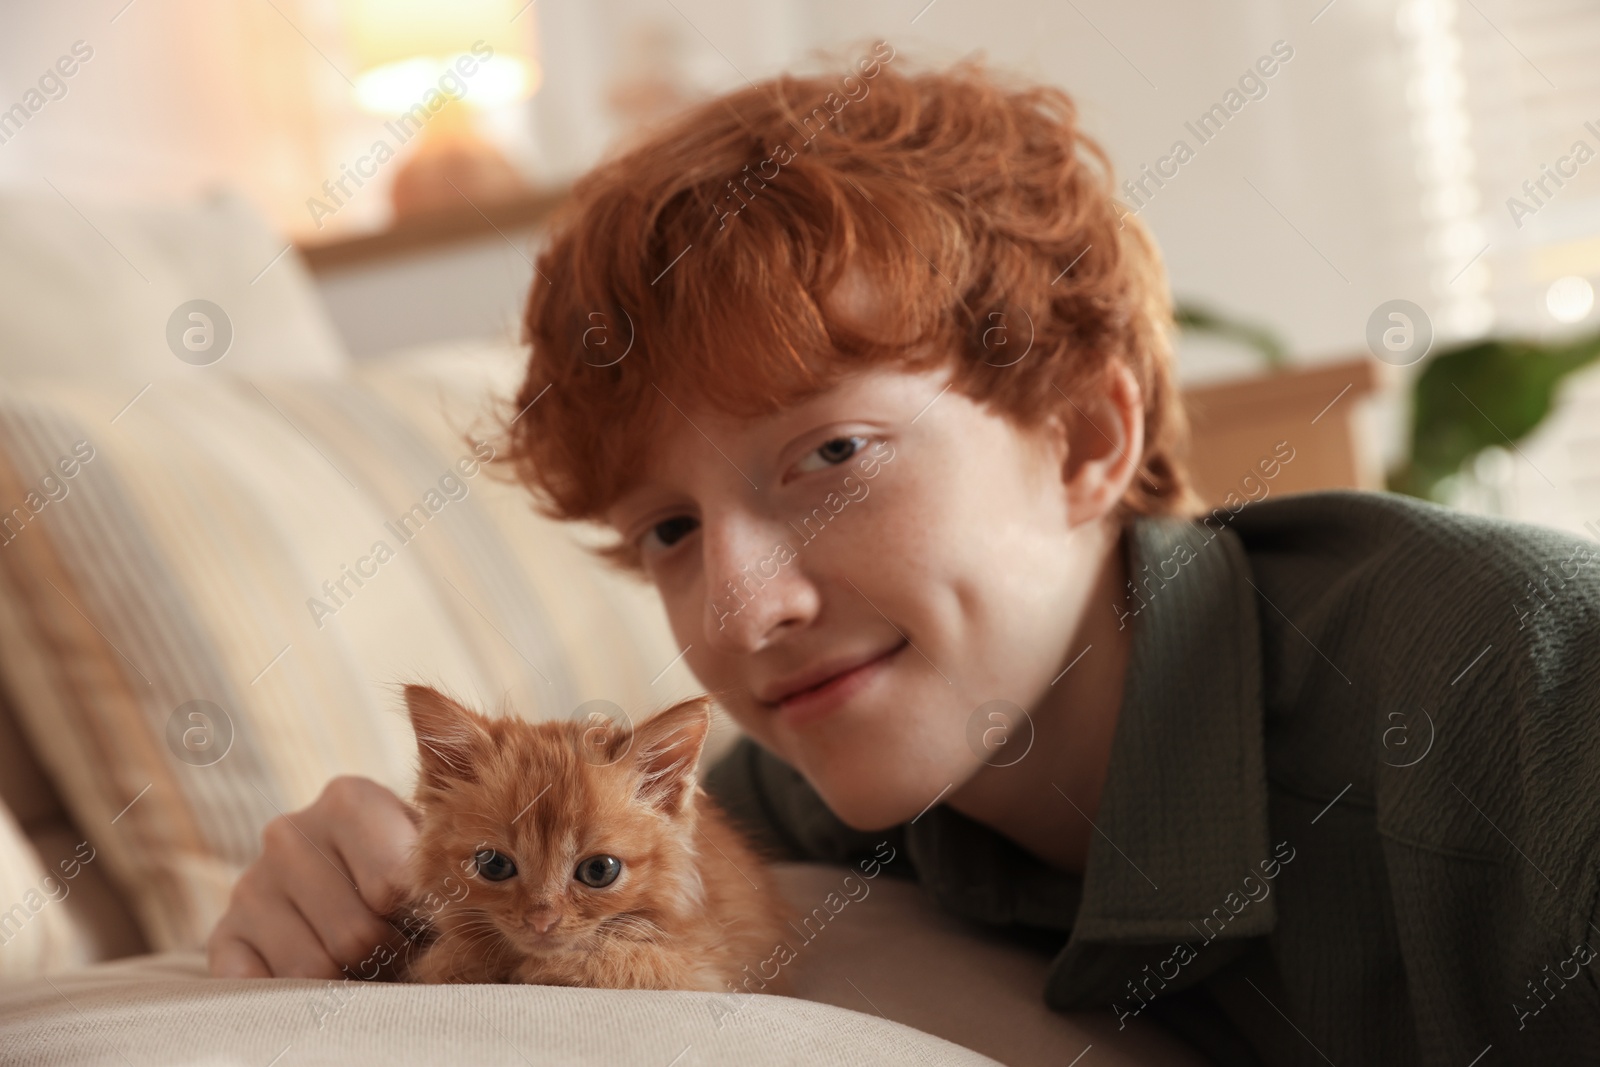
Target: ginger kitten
[587, 855]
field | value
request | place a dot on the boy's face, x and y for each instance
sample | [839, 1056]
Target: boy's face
[884, 526]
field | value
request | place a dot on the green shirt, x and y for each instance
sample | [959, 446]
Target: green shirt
[1352, 813]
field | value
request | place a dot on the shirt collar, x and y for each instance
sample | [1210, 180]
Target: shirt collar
[1182, 821]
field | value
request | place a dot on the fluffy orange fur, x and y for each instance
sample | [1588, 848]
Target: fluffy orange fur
[690, 906]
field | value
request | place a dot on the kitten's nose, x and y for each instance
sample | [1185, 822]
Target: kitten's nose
[543, 921]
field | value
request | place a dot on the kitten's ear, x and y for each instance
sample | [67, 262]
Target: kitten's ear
[666, 750]
[450, 740]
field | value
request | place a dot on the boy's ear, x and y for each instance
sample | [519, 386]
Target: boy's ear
[1105, 443]
[666, 750]
[450, 739]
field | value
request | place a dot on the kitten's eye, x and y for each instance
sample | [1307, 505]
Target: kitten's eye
[597, 872]
[493, 866]
[832, 452]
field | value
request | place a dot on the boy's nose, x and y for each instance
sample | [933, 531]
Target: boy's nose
[753, 589]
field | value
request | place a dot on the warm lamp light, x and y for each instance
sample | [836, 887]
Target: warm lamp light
[424, 64]
[397, 87]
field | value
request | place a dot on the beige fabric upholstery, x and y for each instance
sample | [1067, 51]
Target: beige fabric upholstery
[159, 1010]
[882, 978]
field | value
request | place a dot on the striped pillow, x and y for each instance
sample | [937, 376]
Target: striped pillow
[208, 598]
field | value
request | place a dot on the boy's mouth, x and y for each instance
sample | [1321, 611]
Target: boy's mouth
[828, 679]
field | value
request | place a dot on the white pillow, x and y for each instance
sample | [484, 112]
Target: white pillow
[90, 289]
[37, 932]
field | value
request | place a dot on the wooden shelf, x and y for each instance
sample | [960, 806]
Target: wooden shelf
[429, 231]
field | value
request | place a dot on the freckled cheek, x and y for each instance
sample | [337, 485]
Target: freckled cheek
[908, 550]
[867, 540]
[891, 493]
[918, 515]
[684, 599]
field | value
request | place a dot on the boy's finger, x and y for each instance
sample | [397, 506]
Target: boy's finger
[229, 957]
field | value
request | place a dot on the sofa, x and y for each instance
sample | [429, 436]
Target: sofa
[215, 572]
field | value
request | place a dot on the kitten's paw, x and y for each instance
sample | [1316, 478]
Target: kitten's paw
[445, 968]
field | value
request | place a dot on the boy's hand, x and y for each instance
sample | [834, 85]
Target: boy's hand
[315, 899]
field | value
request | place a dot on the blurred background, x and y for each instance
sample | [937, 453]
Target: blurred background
[1435, 152]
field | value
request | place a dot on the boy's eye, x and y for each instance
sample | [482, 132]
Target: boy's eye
[670, 531]
[597, 872]
[493, 865]
[832, 452]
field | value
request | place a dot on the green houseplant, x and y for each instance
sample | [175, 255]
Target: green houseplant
[1482, 393]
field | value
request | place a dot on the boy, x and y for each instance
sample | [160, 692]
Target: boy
[871, 377]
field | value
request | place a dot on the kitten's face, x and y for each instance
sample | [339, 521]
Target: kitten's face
[561, 833]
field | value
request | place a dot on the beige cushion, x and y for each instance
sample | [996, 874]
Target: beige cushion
[91, 289]
[884, 982]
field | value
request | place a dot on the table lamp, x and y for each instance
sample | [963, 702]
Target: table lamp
[426, 66]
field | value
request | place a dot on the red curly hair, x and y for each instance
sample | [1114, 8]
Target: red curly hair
[697, 265]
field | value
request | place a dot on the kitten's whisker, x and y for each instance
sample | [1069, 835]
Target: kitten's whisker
[629, 926]
[463, 947]
[472, 933]
[470, 925]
